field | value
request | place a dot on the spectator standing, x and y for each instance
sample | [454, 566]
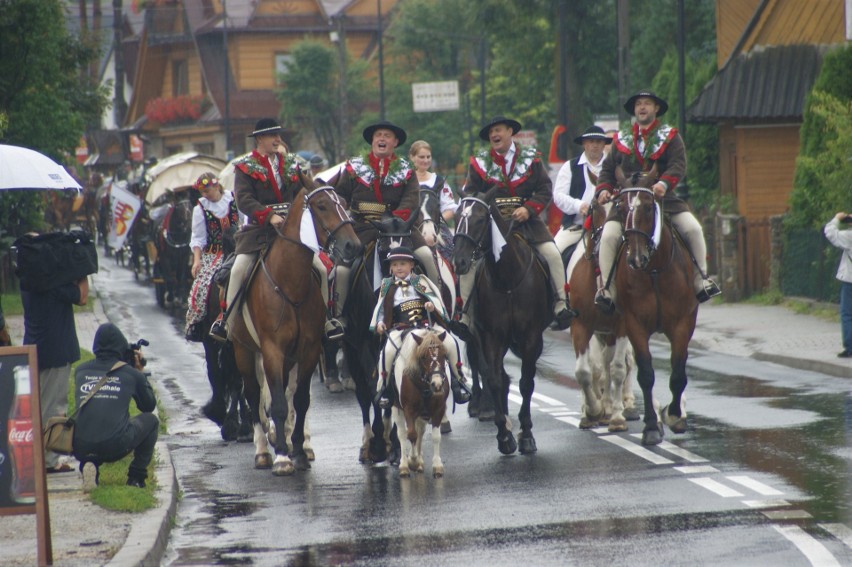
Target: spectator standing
[843, 240]
[49, 325]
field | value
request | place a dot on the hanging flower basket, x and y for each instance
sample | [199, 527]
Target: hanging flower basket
[176, 110]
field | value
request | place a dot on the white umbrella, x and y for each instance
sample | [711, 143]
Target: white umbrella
[23, 168]
[179, 171]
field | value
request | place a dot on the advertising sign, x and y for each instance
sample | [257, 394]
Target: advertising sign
[433, 97]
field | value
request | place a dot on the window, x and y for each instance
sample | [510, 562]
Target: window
[204, 148]
[180, 77]
[282, 66]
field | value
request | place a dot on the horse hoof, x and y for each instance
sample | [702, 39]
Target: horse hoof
[527, 445]
[263, 461]
[309, 453]
[404, 473]
[228, 432]
[215, 412]
[587, 423]
[473, 410]
[446, 427]
[349, 384]
[283, 468]
[438, 472]
[653, 436]
[604, 419]
[676, 423]
[507, 445]
[486, 415]
[335, 387]
[300, 462]
[419, 467]
[630, 414]
[617, 425]
[364, 456]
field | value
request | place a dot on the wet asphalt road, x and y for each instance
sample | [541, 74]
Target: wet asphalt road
[762, 477]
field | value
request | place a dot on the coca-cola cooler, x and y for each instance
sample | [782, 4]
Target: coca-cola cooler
[17, 474]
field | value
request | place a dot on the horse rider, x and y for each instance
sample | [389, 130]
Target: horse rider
[636, 149]
[524, 192]
[410, 301]
[214, 214]
[574, 190]
[265, 184]
[373, 183]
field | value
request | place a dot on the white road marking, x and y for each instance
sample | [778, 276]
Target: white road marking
[540, 397]
[715, 487]
[755, 485]
[697, 469]
[675, 450]
[765, 503]
[561, 408]
[637, 450]
[840, 531]
[563, 413]
[813, 550]
[569, 420]
[794, 514]
[519, 400]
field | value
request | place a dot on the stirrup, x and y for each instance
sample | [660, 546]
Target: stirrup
[562, 320]
[709, 290]
[461, 330]
[334, 329]
[218, 331]
[461, 393]
[604, 303]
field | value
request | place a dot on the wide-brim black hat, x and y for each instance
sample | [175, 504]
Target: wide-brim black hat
[400, 253]
[593, 133]
[631, 102]
[384, 125]
[266, 126]
[513, 124]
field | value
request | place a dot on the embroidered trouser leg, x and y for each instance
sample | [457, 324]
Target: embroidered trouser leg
[453, 353]
[693, 235]
[388, 358]
[551, 255]
[610, 237]
[242, 264]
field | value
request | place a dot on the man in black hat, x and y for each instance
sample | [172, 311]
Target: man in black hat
[524, 192]
[376, 182]
[575, 189]
[636, 149]
[265, 184]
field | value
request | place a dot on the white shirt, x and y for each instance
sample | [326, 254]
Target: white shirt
[841, 239]
[561, 196]
[448, 202]
[219, 209]
[273, 161]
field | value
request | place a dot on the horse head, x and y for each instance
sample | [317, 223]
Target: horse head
[430, 212]
[179, 229]
[472, 239]
[331, 222]
[640, 215]
[431, 357]
[393, 233]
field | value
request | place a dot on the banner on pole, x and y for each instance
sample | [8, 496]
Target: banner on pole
[124, 206]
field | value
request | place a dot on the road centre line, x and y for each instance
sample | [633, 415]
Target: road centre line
[637, 450]
[755, 485]
[715, 487]
[840, 531]
[813, 550]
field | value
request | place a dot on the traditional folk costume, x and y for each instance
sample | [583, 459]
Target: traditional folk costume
[373, 186]
[401, 307]
[521, 181]
[210, 220]
[575, 185]
[637, 150]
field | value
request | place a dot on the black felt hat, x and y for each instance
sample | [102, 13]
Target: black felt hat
[631, 102]
[513, 124]
[384, 125]
[593, 133]
[266, 126]
[401, 253]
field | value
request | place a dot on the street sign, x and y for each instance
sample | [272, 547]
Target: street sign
[434, 97]
[526, 138]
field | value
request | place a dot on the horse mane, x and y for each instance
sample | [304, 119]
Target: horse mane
[637, 179]
[429, 339]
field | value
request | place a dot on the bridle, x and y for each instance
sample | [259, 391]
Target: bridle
[342, 215]
[630, 220]
[435, 367]
[466, 206]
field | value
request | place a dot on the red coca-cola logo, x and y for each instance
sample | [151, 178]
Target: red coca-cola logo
[21, 435]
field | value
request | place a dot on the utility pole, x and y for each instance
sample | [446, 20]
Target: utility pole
[682, 188]
[119, 105]
[343, 121]
[622, 21]
[381, 64]
[482, 79]
[228, 155]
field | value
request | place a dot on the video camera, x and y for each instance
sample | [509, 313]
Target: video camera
[131, 351]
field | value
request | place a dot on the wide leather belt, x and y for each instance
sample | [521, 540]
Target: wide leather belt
[410, 312]
[507, 205]
[369, 210]
[281, 209]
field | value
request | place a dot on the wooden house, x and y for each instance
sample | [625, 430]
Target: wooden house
[769, 54]
[181, 81]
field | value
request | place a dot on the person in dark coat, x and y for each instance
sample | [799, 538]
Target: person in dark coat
[637, 149]
[524, 191]
[105, 432]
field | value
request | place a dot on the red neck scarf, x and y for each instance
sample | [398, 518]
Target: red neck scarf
[267, 163]
[380, 167]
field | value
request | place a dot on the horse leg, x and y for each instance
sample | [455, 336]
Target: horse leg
[497, 382]
[247, 363]
[400, 419]
[526, 441]
[674, 414]
[630, 411]
[420, 431]
[215, 409]
[486, 401]
[437, 430]
[590, 409]
[618, 370]
[274, 368]
[652, 434]
[301, 400]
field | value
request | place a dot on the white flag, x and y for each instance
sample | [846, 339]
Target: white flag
[125, 207]
[497, 241]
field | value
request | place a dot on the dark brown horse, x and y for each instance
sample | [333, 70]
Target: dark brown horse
[172, 276]
[420, 372]
[603, 352]
[278, 335]
[512, 308]
[653, 283]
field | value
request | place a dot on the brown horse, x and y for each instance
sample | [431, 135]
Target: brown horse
[278, 337]
[420, 372]
[653, 282]
[512, 308]
[603, 352]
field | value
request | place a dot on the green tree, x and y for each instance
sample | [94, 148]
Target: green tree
[310, 94]
[44, 102]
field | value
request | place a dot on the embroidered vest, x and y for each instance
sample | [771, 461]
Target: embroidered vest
[216, 227]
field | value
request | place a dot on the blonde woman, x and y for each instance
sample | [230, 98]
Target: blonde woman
[439, 232]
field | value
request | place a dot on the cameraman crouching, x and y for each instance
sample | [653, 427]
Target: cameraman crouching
[105, 432]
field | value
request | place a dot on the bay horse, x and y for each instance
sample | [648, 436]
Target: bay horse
[602, 349]
[653, 280]
[512, 308]
[278, 335]
[420, 373]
